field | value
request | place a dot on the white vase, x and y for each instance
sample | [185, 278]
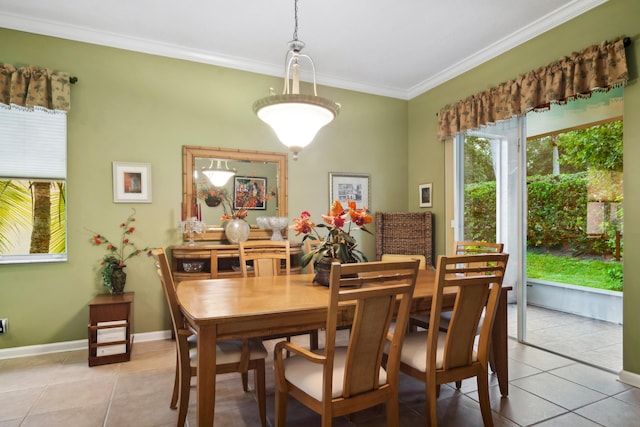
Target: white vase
[237, 230]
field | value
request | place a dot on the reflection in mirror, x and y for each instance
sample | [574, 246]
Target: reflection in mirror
[258, 185]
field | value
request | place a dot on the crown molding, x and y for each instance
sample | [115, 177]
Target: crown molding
[88, 35]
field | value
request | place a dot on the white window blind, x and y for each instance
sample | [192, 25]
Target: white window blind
[33, 144]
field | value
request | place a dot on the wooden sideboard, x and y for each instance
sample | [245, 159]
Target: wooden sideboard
[219, 261]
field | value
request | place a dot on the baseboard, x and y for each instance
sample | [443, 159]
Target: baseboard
[34, 350]
[629, 378]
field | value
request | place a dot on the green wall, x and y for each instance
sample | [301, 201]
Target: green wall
[611, 20]
[142, 108]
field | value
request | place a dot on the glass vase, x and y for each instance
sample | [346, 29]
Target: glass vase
[237, 230]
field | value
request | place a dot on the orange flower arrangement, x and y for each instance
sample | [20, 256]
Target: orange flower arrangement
[338, 242]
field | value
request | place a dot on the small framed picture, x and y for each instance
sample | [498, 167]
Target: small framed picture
[425, 195]
[249, 192]
[346, 187]
[131, 182]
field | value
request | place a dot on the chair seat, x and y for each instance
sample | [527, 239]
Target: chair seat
[307, 376]
[445, 318]
[414, 350]
[231, 352]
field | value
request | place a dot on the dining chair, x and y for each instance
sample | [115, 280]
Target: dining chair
[268, 257]
[439, 356]
[231, 356]
[341, 380]
[459, 248]
[405, 257]
[310, 245]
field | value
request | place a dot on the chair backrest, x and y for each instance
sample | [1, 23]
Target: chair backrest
[477, 279]
[473, 247]
[310, 245]
[405, 233]
[168, 286]
[267, 257]
[397, 257]
[379, 290]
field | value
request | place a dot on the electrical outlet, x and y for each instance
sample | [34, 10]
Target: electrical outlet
[3, 326]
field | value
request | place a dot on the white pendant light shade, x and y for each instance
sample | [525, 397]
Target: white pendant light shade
[218, 176]
[296, 118]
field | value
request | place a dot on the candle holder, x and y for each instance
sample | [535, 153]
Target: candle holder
[191, 226]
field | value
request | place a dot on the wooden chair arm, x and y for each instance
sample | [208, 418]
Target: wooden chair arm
[294, 348]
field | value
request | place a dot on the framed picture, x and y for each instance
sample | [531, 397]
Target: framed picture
[425, 195]
[249, 192]
[346, 187]
[131, 182]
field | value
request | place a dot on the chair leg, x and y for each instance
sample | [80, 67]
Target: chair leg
[393, 413]
[259, 385]
[176, 385]
[185, 386]
[281, 407]
[432, 395]
[313, 340]
[483, 398]
[245, 381]
[458, 384]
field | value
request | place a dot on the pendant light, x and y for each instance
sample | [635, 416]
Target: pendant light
[218, 175]
[296, 118]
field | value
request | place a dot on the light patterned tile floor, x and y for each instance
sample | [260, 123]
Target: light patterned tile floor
[580, 338]
[61, 390]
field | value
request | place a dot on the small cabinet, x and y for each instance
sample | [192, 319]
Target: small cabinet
[215, 261]
[110, 326]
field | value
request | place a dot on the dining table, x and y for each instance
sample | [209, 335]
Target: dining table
[252, 307]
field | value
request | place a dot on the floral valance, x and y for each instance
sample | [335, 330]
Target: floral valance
[32, 86]
[597, 68]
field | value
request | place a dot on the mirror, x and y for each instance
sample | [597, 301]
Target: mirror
[265, 169]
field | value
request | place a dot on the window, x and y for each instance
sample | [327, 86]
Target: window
[33, 164]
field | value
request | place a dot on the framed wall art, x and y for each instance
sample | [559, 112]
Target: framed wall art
[131, 182]
[346, 187]
[426, 195]
[249, 192]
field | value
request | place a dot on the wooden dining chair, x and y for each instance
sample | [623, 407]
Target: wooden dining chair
[310, 245]
[231, 356]
[268, 258]
[460, 248]
[439, 356]
[340, 380]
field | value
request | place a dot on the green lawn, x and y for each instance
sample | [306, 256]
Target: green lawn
[575, 271]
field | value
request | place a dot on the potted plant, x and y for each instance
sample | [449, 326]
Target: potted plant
[337, 244]
[113, 262]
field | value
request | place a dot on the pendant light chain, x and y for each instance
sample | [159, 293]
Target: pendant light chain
[295, 11]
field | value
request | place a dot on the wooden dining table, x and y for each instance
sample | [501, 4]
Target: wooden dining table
[233, 308]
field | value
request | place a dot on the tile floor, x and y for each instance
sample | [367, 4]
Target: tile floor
[60, 390]
[581, 338]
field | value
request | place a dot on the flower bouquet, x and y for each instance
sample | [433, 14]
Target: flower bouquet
[338, 243]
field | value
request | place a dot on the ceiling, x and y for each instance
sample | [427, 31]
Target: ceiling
[396, 48]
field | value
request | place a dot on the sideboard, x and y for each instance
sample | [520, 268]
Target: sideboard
[218, 260]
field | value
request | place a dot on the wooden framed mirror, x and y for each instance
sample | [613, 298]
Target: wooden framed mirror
[267, 168]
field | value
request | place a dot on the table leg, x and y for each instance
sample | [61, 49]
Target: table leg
[499, 344]
[206, 387]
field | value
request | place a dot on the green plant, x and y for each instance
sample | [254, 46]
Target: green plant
[338, 243]
[117, 254]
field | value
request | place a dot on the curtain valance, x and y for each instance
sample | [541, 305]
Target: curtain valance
[597, 68]
[32, 86]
